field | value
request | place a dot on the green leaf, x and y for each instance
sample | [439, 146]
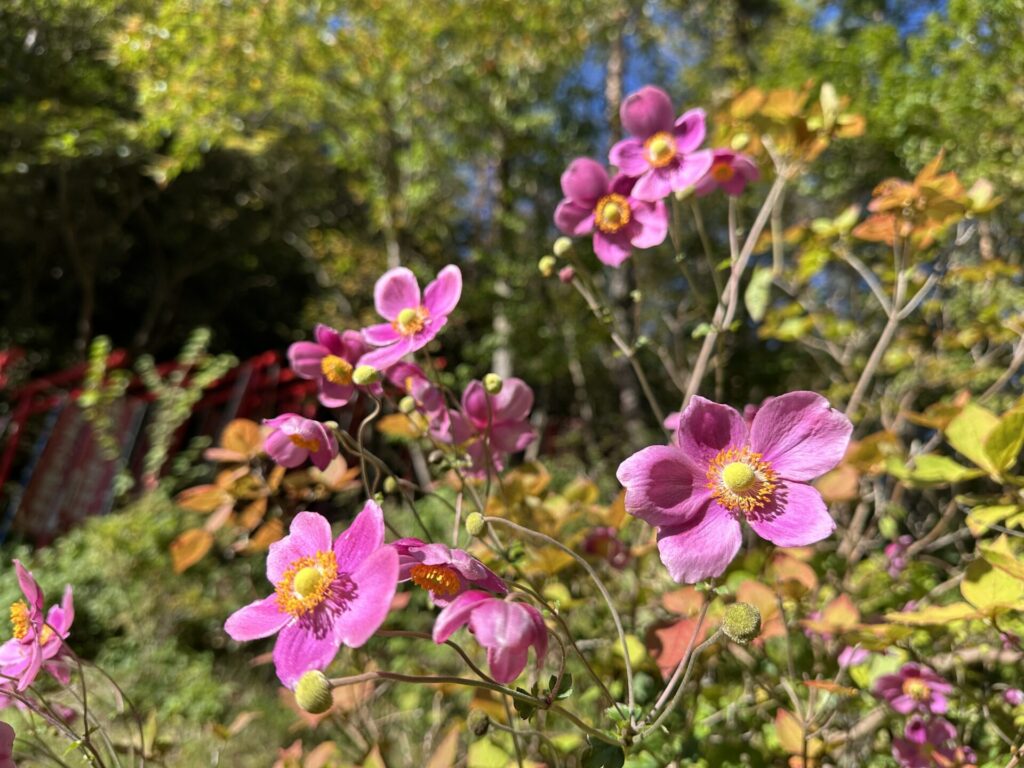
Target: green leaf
[1005, 441]
[602, 755]
[990, 589]
[932, 468]
[758, 293]
[524, 709]
[999, 554]
[968, 431]
[933, 614]
[980, 519]
[564, 690]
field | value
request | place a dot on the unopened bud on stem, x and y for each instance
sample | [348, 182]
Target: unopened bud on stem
[741, 622]
[313, 692]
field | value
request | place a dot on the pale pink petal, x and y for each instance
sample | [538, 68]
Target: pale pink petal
[653, 224]
[376, 580]
[515, 400]
[260, 618]
[797, 517]
[456, 614]
[335, 395]
[540, 633]
[381, 335]
[629, 157]
[701, 549]
[663, 487]
[800, 435]
[396, 290]
[475, 404]
[690, 169]
[29, 588]
[500, 624]
[328, 449]
[350, 346]
[507, 663]
[584, 182]
[573, 219]
[309, 533]
[33, 664]
[305, 358]
[707, 428]
[361, 538]
[689, 130]
[300, 648]
[441, 296]
[654, 185]
[612, 249]
[646, 112]
[384, 357]
[512, 436]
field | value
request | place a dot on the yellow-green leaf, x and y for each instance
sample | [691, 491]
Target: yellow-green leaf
[968, 431]
[789, 731]
[1005, 441]
[990, 589]
[980, 519]
[933, 614]
[999, 554]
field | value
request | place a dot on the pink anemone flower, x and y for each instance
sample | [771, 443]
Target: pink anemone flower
[608, 208]
[413, 321]
[330, 362]
[444, 572]
[325, 595]
[38, 641]
[730, 172]
[505, 628]
[294, 438]
[6, 746]
[914, 688]
[930, 745]
[718, 472]
[490, 427]
[429, 400]
[662, 152]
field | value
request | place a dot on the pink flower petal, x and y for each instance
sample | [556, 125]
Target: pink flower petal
[512, 436]
[361, 538]
[260, 618]
[335, 395]
[654, 185]
[515, 400]
[573, 219]
[385, 357]
[309, 533]
[584, 182]
[703, 548]
[612, 249]
[305, 357]
[690, 169]
[689, 130]
[441, 296]
[376, 580]
[381, 335]
[800, 435]
[646, 112]
[706, 428]
[329, 339]
[396, 290]
[653, 224]
[29, 588]
[540, 633]
[283, 451]
[797, 517]
[300, 648]
[500, 624]
[663, 487]
[629, 157]
[456, 614]
[327, 451]
[507, 663]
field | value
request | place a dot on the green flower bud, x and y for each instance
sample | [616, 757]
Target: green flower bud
[547, 265]
[365, 374]
[390, 484]
[407, 405]
[313, 692]
[562, 246]
[493, 383]
[741, 622]
[478, 722]
[474, 523]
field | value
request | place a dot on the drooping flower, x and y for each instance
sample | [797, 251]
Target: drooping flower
[914, 688]
[930, 745]
[38, 640]
[619, 220]
[718, 472]
[662, 152]
[325, 595]
[490, 427]
[604, 542]
[6, 746]
[730, 172]
[413, 320]
[444, 572]
[329, 361]
[506, 628]
[429, 400]
[896, 553]
[294, 438]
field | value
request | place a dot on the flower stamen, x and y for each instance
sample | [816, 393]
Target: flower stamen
[660, 149]
[612, 213]
[307, 583]
[310, 444]
[336, 370]
[722, 172]
[411, 320]
[917, 689]
[741, 480]
[20, 622]
[439, 580]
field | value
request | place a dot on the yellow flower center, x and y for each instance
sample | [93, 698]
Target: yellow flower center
[19, 619]
[660, 149]
[411, 320]
[310, 444]
[722, 172]
[439, 580]
[612, 213]
[917, 689]
[307, 583]
[336, 370]
[741, 480]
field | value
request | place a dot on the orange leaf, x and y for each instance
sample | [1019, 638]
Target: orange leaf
[189, 548]
[668, 644]
[242, 436]
[203, 498]
[265, 535]
[841, 484]
[686, 601]
[790, 732]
